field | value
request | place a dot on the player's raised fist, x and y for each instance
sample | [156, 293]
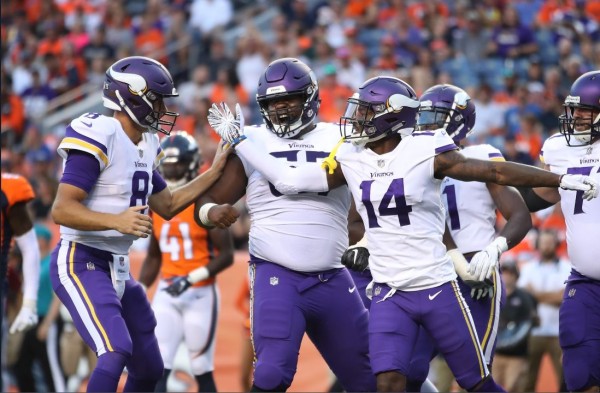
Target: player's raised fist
[222, 216]
[133, 222]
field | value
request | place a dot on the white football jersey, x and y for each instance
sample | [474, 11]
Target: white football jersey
[399, 201]
[125, 174]
[305, 232]
[470, 209]
[582, 217]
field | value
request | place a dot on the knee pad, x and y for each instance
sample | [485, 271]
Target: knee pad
[270, 378]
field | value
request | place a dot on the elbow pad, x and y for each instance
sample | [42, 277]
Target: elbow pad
[308, 178]
[30, 250]
[461, 266]
[533, 201]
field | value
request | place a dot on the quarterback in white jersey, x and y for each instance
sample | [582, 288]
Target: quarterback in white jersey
[577, 151]
[394, 179]
[108, 183]
[297, 282]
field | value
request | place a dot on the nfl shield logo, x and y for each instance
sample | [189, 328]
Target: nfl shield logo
[274, 281]
[122, 261]
[571, 292]
[377, 290]
[589, 150]
[141, 152]
[380, 163]
[90, 266]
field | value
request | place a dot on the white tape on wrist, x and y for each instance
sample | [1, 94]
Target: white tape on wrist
[203, 214]
[461, 266]
[198, 275]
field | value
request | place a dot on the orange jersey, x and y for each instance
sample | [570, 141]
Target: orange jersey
[15, 189]
[185, 246]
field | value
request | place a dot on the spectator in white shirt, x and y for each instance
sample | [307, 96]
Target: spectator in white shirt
[545, 279]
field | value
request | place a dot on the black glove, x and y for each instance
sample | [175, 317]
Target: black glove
[481, 289]
[178, 285]
[356, 258]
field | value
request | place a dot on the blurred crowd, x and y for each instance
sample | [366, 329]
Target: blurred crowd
[516, 58]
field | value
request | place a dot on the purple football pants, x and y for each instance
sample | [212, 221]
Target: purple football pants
[285, 304]
[442, 313]
[579, 334]
[81, 279]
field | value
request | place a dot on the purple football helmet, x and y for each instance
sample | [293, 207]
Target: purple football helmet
[382, 106]
[138, 85]
[585, 95]
[448, 107]
[288, 78]
[182, 158]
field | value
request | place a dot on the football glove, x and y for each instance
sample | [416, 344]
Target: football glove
[27, 317]
[178, 285]
[486, 261]
[481, 290]
[580, 183]
[356, 258]
[229, 127]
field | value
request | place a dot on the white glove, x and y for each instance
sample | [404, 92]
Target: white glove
[229, 128]
[485, 261]
[27, 317]
[580, 183]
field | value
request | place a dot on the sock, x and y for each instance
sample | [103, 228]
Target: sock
[105, 377]
[413, 385]
[487, 385]
[279, 388]
[139, 385]
[206, 382]
[161, 386]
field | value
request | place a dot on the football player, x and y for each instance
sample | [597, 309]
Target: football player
[395, 176]
[576, 150]
[189, 257]
[110, 180]
[297, 282]
[16, 222]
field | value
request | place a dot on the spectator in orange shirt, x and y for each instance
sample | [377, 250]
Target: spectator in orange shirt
[530, 135]
[52, 44]
[334, 96]
[13, 115]
[150, 41]
[228, 89]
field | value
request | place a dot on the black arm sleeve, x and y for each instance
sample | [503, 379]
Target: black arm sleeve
[534, 201]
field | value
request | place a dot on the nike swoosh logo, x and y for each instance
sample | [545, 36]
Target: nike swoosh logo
[352, 289]
[431, 297]
[87, 124]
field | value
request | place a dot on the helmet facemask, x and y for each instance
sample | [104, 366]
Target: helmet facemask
[584, 129]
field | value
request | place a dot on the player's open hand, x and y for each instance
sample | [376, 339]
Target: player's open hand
[229, 127]
[133, 222]
[222, 216]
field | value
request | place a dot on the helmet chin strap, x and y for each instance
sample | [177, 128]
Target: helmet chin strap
[173, 184]
[129, 112]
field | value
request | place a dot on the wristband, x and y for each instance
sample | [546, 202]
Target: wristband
[203, 214]
[198, 275]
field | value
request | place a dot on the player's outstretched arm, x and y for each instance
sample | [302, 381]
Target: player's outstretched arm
[168, 204]
[152, 263]
[454, 164]
[214, 208]
[287, 180]
[20, 222]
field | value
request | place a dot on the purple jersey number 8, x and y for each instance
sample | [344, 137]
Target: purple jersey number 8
[139, 188]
